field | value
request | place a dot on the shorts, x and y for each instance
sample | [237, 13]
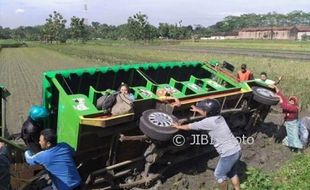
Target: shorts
[227, 167]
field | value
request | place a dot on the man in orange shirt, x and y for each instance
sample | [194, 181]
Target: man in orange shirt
[244, 74]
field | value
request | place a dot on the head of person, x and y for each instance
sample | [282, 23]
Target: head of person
[124, 88]
[48, 139]
[161, 92]
[211, 107]
[263, 76]
[293, 100]
[243, 68]
[38, 113]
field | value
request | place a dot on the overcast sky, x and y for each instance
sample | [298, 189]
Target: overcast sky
[14, 13]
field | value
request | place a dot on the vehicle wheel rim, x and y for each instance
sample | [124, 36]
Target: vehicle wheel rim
[265, 92]
[160, 119]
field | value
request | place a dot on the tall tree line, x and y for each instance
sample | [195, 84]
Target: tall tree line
[139, 28]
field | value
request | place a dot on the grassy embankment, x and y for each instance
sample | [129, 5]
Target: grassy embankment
[11, 44]
[292, 176]
[259, 45]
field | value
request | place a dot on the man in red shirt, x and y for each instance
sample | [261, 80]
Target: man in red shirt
[244, 74]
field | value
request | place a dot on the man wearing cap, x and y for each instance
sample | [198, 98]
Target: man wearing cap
[223, 140]
[244, 74]
[32, 127]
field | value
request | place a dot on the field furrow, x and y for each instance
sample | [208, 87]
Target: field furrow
[21, 73]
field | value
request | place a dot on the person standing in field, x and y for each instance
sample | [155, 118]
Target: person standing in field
[244, 74]
[224, 141]
[57, 159]
[290, 108]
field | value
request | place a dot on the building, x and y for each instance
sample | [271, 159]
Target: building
[303, 32]
[277, 33]
[222, 36]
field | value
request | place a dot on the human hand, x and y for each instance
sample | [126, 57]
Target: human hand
[194, 109]
[177, 101]
[274, 87]
[174, 125]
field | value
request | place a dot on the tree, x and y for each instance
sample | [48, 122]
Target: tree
[138, 28]
[78, 29]
[54, 28]
[163, 30]
[5, 33]
[18, 33]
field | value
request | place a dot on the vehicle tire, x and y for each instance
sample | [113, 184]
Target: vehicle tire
[265, 96]
[238, 120]
[156, 124]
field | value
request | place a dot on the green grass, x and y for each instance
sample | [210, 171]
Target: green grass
[275, 45]
[294, 175]
[296, 73]
[259, 45]
[11, 43]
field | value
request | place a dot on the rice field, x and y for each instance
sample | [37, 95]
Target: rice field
[21, 68]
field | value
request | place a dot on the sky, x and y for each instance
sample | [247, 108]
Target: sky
[14, 13]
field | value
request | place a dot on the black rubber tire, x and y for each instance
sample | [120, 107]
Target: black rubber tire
[238, 120]
[265, 96]
[160, 132]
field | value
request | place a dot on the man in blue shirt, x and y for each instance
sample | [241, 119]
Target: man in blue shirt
[57, 159]
[5, 180]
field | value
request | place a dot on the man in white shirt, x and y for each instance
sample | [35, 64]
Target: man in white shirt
[223, 140]
[264, 78]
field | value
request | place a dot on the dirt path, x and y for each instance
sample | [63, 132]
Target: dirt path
[264, 154]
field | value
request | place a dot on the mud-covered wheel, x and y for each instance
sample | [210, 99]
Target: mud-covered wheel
[156, 124]
[238, 120]
[265, 96]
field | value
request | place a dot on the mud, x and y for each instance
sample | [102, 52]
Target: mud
[265, 153]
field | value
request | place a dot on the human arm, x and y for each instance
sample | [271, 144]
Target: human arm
[168, 98]
[285, 105]
[30, 158]
[195, 109]
[238, 77]
[251, 76]
[176, 100]
[35, 159]
[182, 127]
[278, 81]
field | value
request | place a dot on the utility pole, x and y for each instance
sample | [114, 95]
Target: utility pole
[85, 13]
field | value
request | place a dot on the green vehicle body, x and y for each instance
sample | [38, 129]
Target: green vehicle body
[108, 145]
[4, 93]
[62, 89]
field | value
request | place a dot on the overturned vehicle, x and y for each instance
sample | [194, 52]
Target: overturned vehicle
[136, 148]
